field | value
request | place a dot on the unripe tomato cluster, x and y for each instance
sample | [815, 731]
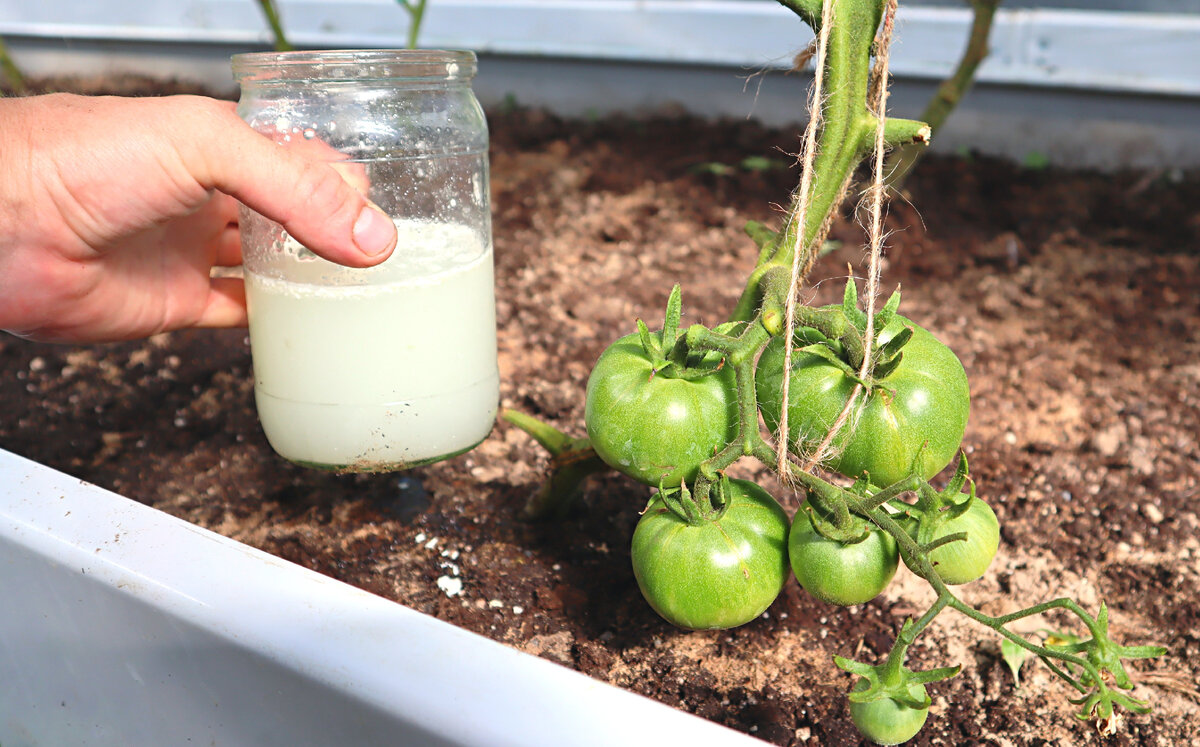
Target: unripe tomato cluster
[725, 569]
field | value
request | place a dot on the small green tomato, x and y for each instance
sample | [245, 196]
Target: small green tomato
[966, 560]
[887, 721]
[838, 573]
[716, 574]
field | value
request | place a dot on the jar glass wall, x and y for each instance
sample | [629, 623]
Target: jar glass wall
[391, 366]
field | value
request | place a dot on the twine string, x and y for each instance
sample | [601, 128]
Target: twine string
[798, 218]
[876, 197]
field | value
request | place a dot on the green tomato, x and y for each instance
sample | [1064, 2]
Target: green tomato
[888, 721]
[961, 561]
[837, 573]
[651, 427]
[717, 574]
[925, 401]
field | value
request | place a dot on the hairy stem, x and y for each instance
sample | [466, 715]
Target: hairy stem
[416, 14]
[741, 352]
[949, 93]
[845, 139]
[276, 23]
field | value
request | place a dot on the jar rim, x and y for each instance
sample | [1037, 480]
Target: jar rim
[440, 65]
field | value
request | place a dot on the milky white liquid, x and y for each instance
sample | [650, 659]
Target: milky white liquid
[380, 376]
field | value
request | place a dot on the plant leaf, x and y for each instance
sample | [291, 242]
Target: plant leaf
[853, 667]
[885, 315]
[671, 320]
[715, 168]
[1014, 656]
[850, 305]
[829, 246]
[935, 675]
[887, 367]
[650, 343]
[955, 485]
[823, 352]
[758, 163]
[892, 347]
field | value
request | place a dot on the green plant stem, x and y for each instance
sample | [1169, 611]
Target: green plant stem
[891, 492]
[846, 137]
[902, 161]
[572, 461]
[918, 561]
[740, 352]
[1042, 652]
[550, 438]
[12, 73]
[276, 23]
[416, 14]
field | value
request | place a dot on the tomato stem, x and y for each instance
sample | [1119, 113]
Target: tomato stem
[846, 137]
[1102, 662]
[550, 438]
[572, 461]
[885, 495]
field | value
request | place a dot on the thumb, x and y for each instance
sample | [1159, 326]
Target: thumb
[309, 198]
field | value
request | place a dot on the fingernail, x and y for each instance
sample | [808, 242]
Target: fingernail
[373, 231]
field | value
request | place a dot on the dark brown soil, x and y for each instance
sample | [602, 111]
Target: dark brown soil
[1072, 298]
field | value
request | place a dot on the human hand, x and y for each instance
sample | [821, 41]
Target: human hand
[113, 212]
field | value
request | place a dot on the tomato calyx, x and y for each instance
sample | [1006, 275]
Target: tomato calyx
[900, 689]
[892, 679]
[936, 508]
[708, 504]
[1105, 656]
[885, 358]
[838, 335]
[668, 350]
[851, 530]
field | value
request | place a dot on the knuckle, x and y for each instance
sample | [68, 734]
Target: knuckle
[324, 195]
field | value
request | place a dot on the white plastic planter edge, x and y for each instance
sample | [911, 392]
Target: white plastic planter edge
[123, 625]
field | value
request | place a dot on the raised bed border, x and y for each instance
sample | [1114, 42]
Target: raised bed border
[124, 625]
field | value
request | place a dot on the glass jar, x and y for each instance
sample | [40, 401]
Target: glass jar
[366, 370]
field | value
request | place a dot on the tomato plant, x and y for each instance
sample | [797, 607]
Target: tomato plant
[913, 419]
[677, 408]
[837, 572]
[719, 572]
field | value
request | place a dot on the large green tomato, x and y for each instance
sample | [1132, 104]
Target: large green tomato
[652, 427]
[888, 721]
[924, 401]
[837, 573]
[719, 574]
